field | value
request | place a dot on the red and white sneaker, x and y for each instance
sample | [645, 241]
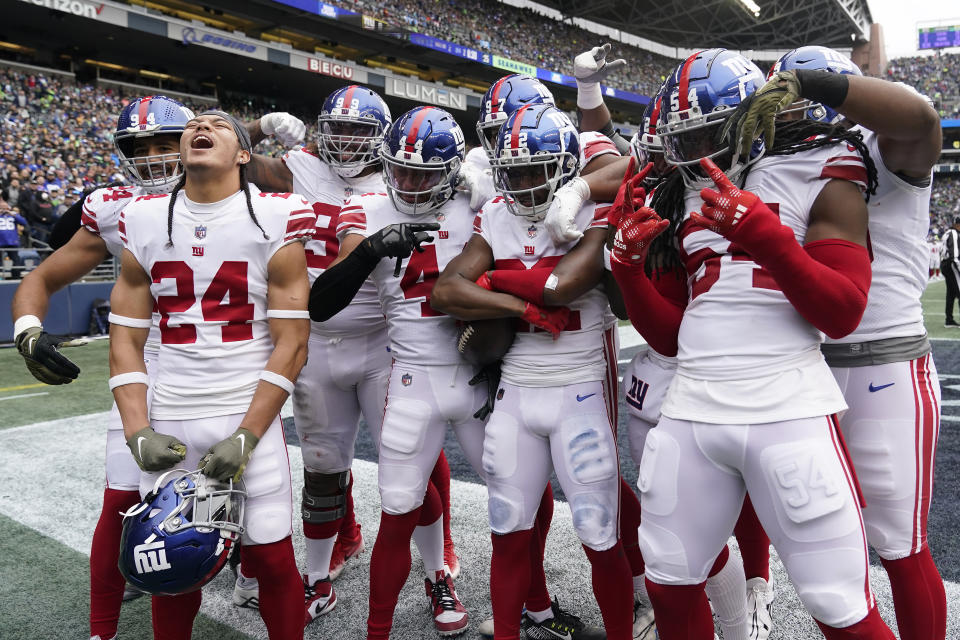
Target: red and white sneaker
[449, 615]
[450, 558]
[319, 598]
[344, 549]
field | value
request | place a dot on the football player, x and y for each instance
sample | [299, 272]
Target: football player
[884, 367]
[551, 403]
[224, 266]
[428, 388]
[750, 407]
[147, 142]
[337, 386]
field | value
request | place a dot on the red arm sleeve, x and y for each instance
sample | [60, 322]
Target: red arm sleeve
[826, 281]
[656, 305]
[526, 284]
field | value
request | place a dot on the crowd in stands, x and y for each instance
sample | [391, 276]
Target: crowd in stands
[936, 76]
[944, 203]
[519, 34]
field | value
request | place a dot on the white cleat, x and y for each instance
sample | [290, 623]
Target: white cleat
[644, 627]
[246, 593]
[759, 607]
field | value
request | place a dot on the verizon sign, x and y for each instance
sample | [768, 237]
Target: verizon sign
[426, 93]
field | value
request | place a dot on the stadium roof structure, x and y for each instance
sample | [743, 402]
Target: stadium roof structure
[779, 24]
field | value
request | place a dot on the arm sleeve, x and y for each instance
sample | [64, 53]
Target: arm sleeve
[333, 289]
[66, 226]
[526, 284]
[655, 306]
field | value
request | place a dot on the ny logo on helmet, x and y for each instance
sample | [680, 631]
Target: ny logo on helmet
[150, 556]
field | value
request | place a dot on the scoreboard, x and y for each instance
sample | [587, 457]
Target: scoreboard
[939, 37]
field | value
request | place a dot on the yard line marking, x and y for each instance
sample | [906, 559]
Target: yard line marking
[23, 386]
[25, 395]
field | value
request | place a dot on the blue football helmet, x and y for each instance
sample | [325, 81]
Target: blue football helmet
[502, 99]
[646, 146]
[537, 152]
[698, 98]
[142, 118]
[422, 153]
[822, 59]
[181, 534]
[350, 127]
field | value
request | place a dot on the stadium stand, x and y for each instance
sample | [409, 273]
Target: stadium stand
[936, 76]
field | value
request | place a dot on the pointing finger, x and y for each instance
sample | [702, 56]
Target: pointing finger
[716, 174]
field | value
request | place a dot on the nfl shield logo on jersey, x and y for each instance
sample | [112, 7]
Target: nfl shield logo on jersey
[406, 379]
[441, 216]
[532, 231]
[200, 232]
[347, 192]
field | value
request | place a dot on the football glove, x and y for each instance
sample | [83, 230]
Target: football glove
[758, 112]
[553, 319]
[631, 195]
[44, 360]
[635, 233]
[490, 375]
[590, 68]
[560, 220]
[398, 241]
[228, 458]
[723, 211]
[470, 183]
[286, 128]
[155, 451]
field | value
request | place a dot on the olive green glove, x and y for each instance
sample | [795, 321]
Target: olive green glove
[758, 112]
[156, 451]
[228, 458]
[44, 360]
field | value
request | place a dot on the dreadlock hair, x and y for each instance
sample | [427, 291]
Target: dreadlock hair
[792, 136]
[244, 186]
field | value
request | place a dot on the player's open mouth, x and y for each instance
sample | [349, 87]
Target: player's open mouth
[200, 141]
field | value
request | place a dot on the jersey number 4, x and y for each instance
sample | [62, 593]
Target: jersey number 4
[419, 277]
[229, 284]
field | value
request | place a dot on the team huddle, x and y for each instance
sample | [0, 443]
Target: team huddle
[765, 236]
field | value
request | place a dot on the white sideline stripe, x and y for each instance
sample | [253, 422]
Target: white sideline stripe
[944, 418]
[25, 395]
[629, 337]
[78, 462]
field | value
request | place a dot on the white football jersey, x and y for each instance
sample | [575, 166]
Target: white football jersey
[899, 221]
[327, 191]
[418, 333]
[535, 359]
[744, 353]
[210, 289]
[100, 215]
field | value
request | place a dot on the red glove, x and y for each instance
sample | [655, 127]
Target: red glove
[631, 195]
[553, 319]
[484, 281]
[724, 211]
[635, 233]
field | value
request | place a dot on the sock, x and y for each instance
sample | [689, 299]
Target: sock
[440, 477]
[319, 551]
[538, 596]
[682, 611]
[918, 597]
[245, 581]
[429, 532]
[640, 589]
[629, 528]
[348, 525]
[389, 568]
[281, 593]
[871, 627]
[106, 581]
[540, 616]
[613, 589]
[173, 615]
[727, 590]
[754, 543]
[509, 581]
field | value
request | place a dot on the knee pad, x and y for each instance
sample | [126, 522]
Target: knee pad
[267, 523]
[402, 487]
[812, 492]
[593, 519]
[665, 556]
[588, 448]
[404, 427]
[500, 450]
[505, 508]
[830, 583]
[324, 496]
[659, 473]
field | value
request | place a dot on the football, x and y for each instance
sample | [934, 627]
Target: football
[485, 341]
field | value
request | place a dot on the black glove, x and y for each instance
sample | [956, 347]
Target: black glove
[398, 241]
[44, 361]
[491, 375]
